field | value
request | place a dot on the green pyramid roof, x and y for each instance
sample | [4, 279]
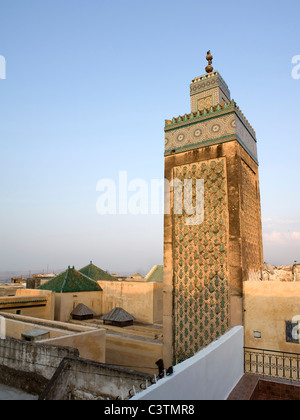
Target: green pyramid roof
[71, 281]
[96, 273]
[156, 274]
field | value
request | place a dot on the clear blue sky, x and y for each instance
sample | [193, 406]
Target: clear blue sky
[89, 85]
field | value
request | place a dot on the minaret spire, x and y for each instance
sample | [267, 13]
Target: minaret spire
[209, 68]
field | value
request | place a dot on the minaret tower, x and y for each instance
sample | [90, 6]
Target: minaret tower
[205, 264]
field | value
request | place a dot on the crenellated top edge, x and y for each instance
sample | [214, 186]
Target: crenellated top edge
[209, 76]
[205, 112]
[205, 77]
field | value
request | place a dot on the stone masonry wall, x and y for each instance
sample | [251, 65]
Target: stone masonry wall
[80, 379]
[31, 360]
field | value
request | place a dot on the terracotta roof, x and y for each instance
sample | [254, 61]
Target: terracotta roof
[71, 281]
[82, 310]
[96, 273]
[118, 315]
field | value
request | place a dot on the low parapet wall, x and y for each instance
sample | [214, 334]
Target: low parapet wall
[80, 379]
[89, 341]
[90, 344]
[209, 375]
[30, 365]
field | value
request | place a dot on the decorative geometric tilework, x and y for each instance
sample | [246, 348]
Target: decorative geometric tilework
[207, 82]
[201, 292]
[210, 126]
[245, 137]
[200, 132]
[205, 102]
[251, 219]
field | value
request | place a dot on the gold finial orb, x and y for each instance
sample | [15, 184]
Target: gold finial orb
[209, 68]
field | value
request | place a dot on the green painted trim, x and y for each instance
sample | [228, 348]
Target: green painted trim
[214, 142]
[196, 120]
[209, 115]
[200, 145]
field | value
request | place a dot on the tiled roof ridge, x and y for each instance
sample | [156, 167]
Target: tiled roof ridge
[155, 274]
[91, 268]
[66, 278]
[87, 277]
[151, 271]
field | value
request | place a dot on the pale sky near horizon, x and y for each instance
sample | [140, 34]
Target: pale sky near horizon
[88, 86]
